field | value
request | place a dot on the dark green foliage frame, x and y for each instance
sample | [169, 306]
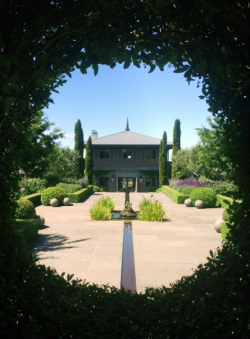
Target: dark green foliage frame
[209, 43]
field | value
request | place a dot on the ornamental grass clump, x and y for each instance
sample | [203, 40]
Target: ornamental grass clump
[102, 210]
[151, 210]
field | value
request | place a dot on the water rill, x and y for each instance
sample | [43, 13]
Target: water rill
[128, 281]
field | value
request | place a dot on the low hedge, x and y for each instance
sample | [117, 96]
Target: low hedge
[80, 195]
[34, 198]
[27, 228]
[176, 196]
[69, 188]
[223, 201]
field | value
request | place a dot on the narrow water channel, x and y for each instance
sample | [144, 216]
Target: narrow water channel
[128, 280]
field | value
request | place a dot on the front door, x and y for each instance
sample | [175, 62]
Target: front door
[124, 182]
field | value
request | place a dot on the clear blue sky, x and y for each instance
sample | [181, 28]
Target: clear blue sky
[151, 102]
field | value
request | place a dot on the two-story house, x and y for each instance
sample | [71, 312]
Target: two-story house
[126, 158]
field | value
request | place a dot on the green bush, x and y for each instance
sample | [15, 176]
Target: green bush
[27, 228]
[224, 231]
[185, 189]
[225, 215]
[25, 209]
[151, 210]
[69, 188]
[176, 196]
[33, 185]
[80, 195]
[204, 194]
[34, 198]
[53, 193]
[102, 210]
[223, 201]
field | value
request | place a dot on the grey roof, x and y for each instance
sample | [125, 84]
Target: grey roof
[127, 138]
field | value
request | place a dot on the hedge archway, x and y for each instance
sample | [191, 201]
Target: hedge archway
[42, 41]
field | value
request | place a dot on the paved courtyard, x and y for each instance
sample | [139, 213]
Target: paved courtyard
[92, 250]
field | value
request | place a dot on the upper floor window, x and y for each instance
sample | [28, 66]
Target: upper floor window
[127, 154]
[150, 154]
[104, 154]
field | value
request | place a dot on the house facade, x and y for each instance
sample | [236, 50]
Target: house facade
[126, 158]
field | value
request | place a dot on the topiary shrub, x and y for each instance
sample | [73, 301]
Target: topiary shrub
[25, 209]
[206, 195]
[69, 188]
[53, 193]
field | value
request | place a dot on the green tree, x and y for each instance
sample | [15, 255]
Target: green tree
[89, 162]
[62, 162]
[79, 147]
[176, 145]
[162, 161]
[183, 165]
[40, 142]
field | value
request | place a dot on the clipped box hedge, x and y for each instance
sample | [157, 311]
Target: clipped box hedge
[223, 201]
[80, 195]
[27, 228]
[34, 198]
[176, 196]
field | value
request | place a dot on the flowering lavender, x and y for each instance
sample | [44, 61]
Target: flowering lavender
[189, 181]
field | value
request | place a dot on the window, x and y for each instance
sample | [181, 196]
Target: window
[150, 181]
[150, 154]
[103, 182]
[127, 154]
[104, 154]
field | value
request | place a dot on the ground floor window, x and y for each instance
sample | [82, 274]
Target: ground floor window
[103, 182]
[150, 181]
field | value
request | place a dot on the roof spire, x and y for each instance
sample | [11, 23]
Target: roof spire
[127, 126]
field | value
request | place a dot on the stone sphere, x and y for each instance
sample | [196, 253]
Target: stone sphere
[188, 202]
[41, 220]
[54, 202]
[199, 204]
[66, 202]
[217, 224]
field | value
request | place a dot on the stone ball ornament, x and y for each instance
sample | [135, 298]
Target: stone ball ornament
[54, 202]
[217, 224]
[41, 220]
[66, 202]
[188, 203]
[199, 204]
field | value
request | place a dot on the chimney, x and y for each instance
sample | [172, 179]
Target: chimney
[94, 135]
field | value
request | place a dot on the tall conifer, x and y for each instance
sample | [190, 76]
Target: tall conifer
[79, 147]
[163, 165]
[89, 161]
[176, 145]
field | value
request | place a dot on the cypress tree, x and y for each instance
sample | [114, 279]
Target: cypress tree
[79, 147]
[163, 165]
[176, 145]
[89, 161]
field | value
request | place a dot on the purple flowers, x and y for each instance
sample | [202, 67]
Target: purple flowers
[22, 189]
[152, 196]
[156, 201]
[190, 182]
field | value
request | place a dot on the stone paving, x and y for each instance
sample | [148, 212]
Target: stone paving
[92, 250]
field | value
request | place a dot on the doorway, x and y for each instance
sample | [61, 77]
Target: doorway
[123, 183]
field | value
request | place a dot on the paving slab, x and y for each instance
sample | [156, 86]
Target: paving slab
[164, 251]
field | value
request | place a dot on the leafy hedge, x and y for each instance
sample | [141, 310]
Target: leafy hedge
[80, 195]
[53, 193]
[25, 209]
[69, 188]
[176, 196]
[27, 228]
[206, 195]
[34, 198]
[223, 201]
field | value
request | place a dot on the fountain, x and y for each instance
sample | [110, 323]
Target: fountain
[128, 212]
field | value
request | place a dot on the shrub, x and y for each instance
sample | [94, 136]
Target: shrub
[185, 189]
[27, 228]
[102, 210]
[204, 194]
[33, 185]
[225, 231]
[51, 193]
[80, 195]
[52, 179]
[25, 209]
[69, 188]
[34, 198]
[176, 196]
[225, 215]
[151, 210]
